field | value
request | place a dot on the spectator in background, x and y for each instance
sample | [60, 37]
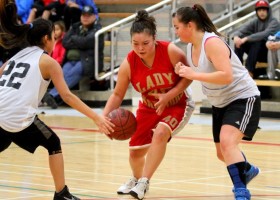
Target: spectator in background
[251, 38]
[59, 51]
[54, 10]
[47, 9]
[273, 56]
[23, 9]
[79, 44]
[73, 10]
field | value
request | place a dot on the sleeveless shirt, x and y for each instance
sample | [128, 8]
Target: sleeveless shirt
[159, 78]
[242, 86]
[21, 89]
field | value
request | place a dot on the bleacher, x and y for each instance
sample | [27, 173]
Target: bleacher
[114, 10]
[121, 9]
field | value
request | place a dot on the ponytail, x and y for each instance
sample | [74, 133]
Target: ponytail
[198, 15]
[143, 23]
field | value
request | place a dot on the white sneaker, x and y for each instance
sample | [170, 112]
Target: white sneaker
[277, 74]
[125, 188]
[140, 189]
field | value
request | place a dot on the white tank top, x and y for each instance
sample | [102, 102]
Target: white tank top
[21, 89]
[242, 86]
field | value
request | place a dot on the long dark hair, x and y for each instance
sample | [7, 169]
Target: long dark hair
[198, 15]
[14, 35]
[143, 23]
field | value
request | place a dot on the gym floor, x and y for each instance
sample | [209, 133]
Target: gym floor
[95, 166]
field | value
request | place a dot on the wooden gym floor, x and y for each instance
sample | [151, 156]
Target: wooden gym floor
[96, 166]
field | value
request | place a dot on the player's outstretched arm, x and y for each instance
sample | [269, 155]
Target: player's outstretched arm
[123, 81]
[2, 68]
[50, 69]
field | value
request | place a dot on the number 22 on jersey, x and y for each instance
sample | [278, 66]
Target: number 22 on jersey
[13, 74]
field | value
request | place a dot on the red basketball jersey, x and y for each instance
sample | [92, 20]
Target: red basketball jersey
[160, 78]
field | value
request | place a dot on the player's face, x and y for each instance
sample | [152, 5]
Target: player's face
[50, 44]
[181, 30]
[143, 44]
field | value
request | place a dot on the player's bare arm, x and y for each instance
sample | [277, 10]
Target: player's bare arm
[177, 55]
[219, 54]
[52, 70]
[2, 68]
[123, 81]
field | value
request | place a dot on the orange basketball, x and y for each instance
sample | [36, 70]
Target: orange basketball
[125, 123]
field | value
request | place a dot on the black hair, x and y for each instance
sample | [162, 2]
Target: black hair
[13, 34]
[198, 15]
[40, 28]
[143, 23]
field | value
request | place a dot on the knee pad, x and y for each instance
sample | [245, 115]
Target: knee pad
[53, 145]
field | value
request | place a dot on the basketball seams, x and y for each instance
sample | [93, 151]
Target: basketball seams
[125, 123]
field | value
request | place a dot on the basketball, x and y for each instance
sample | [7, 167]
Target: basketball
[125, 123]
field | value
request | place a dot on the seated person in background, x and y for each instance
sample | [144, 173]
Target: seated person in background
[251, 38]
[23, 9]
[73, 10]
[46, 9]
[54, 10]
[59, 51]
[273, 56]
[79, 43]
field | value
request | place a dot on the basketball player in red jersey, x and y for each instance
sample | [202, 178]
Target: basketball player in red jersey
[165, 107]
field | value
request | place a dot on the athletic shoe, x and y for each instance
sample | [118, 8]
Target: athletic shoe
[140, 189]
[277, 74]
[251, 174]
[64, 195]
[125, 188]
[242, 194]
[50, 100]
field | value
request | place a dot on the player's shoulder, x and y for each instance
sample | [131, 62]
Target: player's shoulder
[174, 49]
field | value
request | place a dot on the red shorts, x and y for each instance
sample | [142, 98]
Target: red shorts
[175, 117]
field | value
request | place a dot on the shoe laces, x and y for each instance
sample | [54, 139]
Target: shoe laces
[142, 184]
[241, 192]
[131, 182]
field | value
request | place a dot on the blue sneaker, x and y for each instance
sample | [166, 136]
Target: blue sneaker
[242, 194]
[251, 174]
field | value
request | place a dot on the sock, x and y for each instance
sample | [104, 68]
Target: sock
[248, 165]
[237, 174]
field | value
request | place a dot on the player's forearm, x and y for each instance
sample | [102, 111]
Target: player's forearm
[73, 101]
[113, 102]
[2, 68]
